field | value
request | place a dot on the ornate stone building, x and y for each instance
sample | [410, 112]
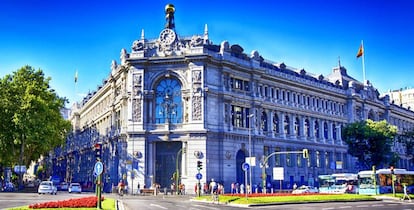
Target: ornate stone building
[402, 97]
[173, 101]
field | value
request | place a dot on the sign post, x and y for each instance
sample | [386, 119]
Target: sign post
[245, 167]
[98, 169]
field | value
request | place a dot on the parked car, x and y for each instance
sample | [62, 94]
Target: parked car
[305, 189]
[47, 187]
[64, 186]
[75, 187]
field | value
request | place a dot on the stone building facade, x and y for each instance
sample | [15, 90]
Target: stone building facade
[173, 101]
[403, 97]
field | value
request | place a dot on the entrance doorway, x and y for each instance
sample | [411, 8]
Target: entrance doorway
[165, 162]
[240, 159]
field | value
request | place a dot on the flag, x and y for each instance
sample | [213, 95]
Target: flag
[76, 76]
[360, 51]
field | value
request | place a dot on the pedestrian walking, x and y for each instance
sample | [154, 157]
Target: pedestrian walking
[406, 193]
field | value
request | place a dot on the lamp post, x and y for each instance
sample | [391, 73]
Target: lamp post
[250, 153]
[177, 170]
[133, 155]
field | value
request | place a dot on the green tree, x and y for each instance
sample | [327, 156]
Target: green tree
[370, 142]
[32, 124]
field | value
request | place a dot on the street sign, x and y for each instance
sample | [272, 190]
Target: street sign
[278, 173]
[199, 176]
[245, 166]
[98, 169]
[20, 169]
[251, 160]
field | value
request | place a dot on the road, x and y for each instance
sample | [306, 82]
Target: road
[160, 202]
[9, 200]
[185, 203]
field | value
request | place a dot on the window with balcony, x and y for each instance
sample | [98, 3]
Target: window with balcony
[275, 123]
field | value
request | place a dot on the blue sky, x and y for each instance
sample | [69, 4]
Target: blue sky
[61, 36]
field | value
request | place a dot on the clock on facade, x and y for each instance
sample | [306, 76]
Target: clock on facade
[167, 36]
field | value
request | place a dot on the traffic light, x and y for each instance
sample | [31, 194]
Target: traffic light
[305, 153]
[98, 150]
[199, 165]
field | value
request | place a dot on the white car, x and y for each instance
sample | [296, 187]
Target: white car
[47, 187]
[75, 187]
[305, 189]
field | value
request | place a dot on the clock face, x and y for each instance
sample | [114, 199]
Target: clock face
[167, 36]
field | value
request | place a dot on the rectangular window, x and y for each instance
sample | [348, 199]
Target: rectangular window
[239, 116]
[238, 84]
[246, 86]
[318, 159]
[277, 159]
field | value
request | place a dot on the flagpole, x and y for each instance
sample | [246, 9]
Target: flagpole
[76, 86]
[363, 62]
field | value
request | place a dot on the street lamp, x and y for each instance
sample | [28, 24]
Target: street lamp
[250, 153]
[133, 154]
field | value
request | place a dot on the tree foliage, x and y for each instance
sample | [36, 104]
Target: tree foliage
[32, 123]
[370, 142]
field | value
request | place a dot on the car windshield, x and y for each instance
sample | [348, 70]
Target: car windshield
[75, 185]
[46, 183]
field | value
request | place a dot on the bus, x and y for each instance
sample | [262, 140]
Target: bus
[338, 183]
[381, 182]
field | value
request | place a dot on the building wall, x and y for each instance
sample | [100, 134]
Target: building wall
[220, 87]
[403, 97]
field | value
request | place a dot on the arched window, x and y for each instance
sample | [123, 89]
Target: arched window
[168, 102]
[286, 125]
[316, 128]
[275, 123]
[264, 121]
[297, 127]
[334, 131]
[318, 159]
[307, 130]
[325, 130]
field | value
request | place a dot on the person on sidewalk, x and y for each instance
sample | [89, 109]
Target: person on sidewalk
[406, 193]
